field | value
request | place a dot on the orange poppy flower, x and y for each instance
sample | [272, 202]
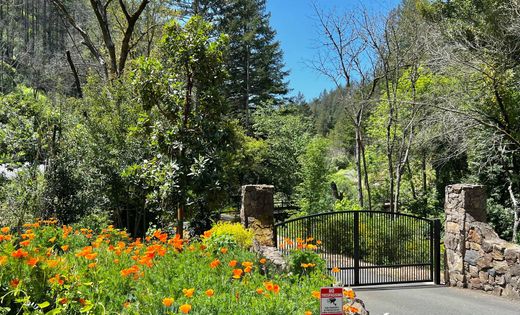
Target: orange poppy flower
[25, 243]
[14, 282]
[132, 270]
[52, 263]
[233, 263]
[91, 256]
[316, 294]
[207, 234]
[335, 269]
[65, 248]
[177, 242]
[308, 313]
[185, 308]
[92, 265]
[5, 230]
[260, 291]
[350, 309]
[349, 293]
[210, 292]
[224, 250]
[3, 260]
[56, 279]
[20, 253]
[32, 262]
[188, 292]
[276, 288]
[269, 285]
[214, 264]
[168, 301]
[263, 261]
[237, 273]
[248, 269]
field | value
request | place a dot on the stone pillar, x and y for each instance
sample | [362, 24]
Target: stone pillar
[257, 212]
[464, 205]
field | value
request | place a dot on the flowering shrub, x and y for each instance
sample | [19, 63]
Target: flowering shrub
[303, 259]
[50, 269]
[234, 231]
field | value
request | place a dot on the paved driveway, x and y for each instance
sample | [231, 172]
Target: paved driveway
[427, 299]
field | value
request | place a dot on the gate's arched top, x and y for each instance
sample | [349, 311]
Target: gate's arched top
[329, 213]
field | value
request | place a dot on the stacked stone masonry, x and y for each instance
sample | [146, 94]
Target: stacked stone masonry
[476, 257]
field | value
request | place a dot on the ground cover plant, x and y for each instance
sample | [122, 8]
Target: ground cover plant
[50, 269]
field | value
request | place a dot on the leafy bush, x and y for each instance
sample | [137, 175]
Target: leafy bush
[62, 270]
[305, 261]
[235, 231]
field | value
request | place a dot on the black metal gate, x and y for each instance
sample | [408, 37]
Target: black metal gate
[369, 247]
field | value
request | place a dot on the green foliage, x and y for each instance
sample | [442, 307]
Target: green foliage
[305, 262]
[62, 282]
[184, 122]
[500, 217]
[286, 132]
[235, 231]
[21, 197]
[313, 191]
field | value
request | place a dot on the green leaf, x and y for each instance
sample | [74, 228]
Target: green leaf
[44, 305]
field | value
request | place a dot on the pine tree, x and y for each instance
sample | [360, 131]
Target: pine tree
[254, 61]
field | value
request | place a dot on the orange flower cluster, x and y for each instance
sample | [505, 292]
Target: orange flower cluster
[67, 264]
[301, 244]
[270, 286]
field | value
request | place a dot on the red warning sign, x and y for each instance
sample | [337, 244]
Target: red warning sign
[331, 301]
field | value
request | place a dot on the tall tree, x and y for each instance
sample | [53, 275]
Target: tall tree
[254, 60]
[184, 90]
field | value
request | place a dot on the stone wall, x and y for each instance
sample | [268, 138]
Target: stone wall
[476, 257]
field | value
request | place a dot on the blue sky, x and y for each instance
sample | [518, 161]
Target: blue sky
[296, 28]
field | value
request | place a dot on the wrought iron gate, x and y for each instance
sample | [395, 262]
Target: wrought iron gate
[369, 247]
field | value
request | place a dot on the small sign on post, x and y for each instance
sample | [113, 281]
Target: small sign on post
[331, 301]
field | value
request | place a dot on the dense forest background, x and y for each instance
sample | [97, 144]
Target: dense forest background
[146, 112]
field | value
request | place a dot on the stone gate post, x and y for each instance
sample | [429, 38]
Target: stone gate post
[464, 205]
[257, 212]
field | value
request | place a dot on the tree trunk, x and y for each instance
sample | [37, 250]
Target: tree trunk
[365, 171]
[412, 185]
[516, 211]
[358, 167]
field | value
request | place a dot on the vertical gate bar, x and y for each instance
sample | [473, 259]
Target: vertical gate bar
[275, 236]
[432, 249]
[437, 250]
[356, 248]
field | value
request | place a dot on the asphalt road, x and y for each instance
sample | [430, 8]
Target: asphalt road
[428, 299]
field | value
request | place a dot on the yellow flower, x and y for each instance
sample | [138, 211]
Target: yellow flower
[185, 308]
[349, 293]
[168, 301]
[188, 292]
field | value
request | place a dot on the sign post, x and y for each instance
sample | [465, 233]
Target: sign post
[331, 301]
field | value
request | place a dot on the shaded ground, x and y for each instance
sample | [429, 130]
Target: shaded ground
[428, 299]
